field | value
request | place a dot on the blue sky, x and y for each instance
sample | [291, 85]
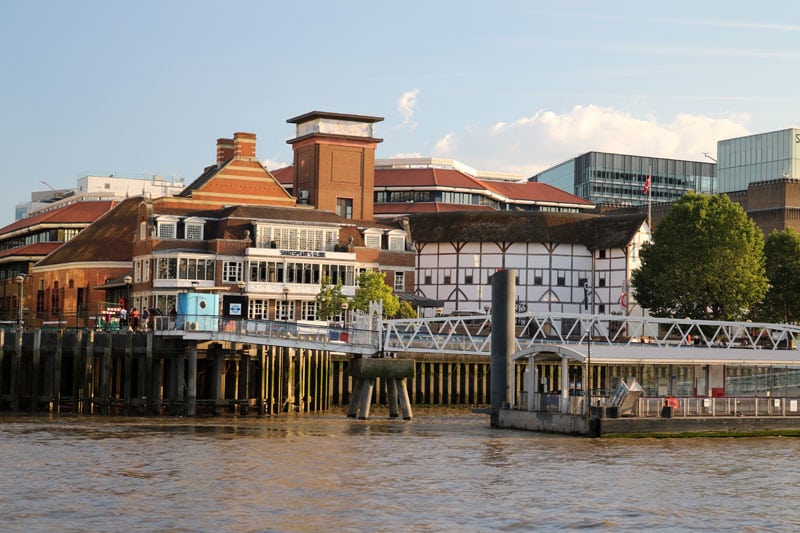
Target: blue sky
[148, 86]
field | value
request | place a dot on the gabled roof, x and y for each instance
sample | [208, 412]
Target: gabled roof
[36, 250]
[83, 212]
[524, 226]
[425, 177]
[239, 180]
[424, 207]
[536, 192]
[109, 238]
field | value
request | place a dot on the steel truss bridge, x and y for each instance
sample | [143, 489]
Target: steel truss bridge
[593, 335]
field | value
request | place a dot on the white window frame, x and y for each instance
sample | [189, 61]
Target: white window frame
[397, 240]
[372, 238]
[399, 282]
[195, 224]
[167, 227]
[232, 271]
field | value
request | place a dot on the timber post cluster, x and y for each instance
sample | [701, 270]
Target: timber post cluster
[83, 371]
[394, 372]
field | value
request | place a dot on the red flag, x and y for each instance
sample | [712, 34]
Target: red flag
[646, 188]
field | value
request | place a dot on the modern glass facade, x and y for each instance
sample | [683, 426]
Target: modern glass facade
[762, 157]
[619, 179]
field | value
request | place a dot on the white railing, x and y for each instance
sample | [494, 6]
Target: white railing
[470, 335]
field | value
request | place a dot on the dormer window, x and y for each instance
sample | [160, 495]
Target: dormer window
[397, 240]
[372, 238]
[193, 229]
[167, 227]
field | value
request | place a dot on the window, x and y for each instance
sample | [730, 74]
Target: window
[561, 280]
[232, 271]
[468, 279]
[601, 254]
[284, 310]
[446, 280]
[397, 241]
[399, 281]
[582, 281]
[601, 309]
[372, 238]
[167, 229]
[428, 279]
[601, 282]
[194, 232]
[537, 280]
[142, 230]
[344, 207]
[308, 311]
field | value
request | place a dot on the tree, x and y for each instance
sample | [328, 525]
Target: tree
[706, 260]
[782, 255]
[330, 299]
[373, 288]
[405, 310]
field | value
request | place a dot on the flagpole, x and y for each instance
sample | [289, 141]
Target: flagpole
[649, 198]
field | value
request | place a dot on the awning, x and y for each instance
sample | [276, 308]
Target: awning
[419, 301]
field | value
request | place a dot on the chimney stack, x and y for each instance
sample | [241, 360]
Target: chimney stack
[224, 150]
[244, 145]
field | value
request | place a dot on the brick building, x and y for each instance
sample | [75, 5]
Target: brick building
[237, 232]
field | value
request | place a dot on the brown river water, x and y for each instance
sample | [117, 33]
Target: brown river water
[442, 471]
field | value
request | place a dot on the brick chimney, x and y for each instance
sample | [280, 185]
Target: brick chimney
[244, 144]
[224, 150]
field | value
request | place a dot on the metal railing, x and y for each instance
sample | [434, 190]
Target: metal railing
[290, 332]
[472, 334]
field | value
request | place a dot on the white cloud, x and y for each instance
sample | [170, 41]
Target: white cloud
[274, 165]
[406, 105]
[446, 145]
[533, 143]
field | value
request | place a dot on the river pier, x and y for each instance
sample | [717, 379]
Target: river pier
[85, 371]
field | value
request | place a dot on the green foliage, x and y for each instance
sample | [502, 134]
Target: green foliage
[706, 261]
[405, 310]
[373, 288]
[782, 253]
[330, 299]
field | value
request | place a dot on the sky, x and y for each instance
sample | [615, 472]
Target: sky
[147, 87]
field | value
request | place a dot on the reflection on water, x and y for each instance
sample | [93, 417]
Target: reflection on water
[440, 471]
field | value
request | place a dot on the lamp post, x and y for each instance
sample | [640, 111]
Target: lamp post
[128, 282]
[241, 285]
[345, 307]
[20, 280]
[286, 304]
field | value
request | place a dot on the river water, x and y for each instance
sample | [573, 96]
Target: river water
[442, 471]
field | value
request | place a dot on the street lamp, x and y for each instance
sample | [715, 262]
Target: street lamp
[345, 307]
[241, 285]
[128, 282]
[20, 280]
[286, 304]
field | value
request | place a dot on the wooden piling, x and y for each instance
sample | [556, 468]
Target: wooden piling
[191, 378]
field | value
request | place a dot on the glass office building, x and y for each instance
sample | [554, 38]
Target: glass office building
[618, 179]
[763, 157]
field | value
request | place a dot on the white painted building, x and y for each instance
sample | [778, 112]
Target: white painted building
[566, 262]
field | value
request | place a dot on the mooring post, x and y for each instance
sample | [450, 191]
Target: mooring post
[244, 383]
[16, 371]
[127, 380]
[36, 359]
[191, 381]
[503, 317]
[55, 391]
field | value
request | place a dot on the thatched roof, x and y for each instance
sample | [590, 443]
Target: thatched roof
[594, 231]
